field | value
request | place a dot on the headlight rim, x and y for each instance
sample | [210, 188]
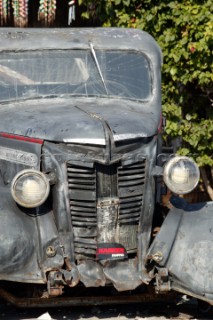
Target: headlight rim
[28, 172]
[169, 164]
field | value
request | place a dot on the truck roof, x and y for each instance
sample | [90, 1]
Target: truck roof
[78, 38]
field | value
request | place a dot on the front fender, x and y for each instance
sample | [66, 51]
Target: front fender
[184, 246]
[24, 239]
[17, 236]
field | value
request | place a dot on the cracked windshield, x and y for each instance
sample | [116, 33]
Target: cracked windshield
[33, 74]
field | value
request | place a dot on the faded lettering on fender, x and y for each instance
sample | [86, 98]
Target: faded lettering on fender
[18, 156]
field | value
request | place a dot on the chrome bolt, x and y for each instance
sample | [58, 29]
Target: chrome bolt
[51, 251]
[158, 256]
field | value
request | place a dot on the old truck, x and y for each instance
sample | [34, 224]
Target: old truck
[82, 169]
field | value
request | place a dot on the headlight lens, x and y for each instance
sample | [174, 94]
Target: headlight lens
[30, 188]
[181, 175]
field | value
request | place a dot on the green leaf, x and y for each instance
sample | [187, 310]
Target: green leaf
[173, 71]
[117, 2]
[126, 2]
[85, 15]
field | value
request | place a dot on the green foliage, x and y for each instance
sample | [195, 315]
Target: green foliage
[184, 30]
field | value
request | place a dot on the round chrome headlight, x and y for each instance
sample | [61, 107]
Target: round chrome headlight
[181, 175]
[30, 188]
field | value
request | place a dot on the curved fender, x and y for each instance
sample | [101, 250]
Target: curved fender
[184, 246]
[16, 236]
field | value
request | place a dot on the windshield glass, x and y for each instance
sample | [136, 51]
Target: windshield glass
[27, 74]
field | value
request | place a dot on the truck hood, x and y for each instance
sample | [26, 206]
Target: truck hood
[79, 120]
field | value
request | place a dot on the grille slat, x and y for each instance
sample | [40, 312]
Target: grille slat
[83, 204]
[128, 205]
[82, 195]
[126, 171]
[129, 182]
[83, 214]
[76, 169]
[83, 209]
[131, 167]
[124, 201]
[82, 181]
[130, 215]
[133, 191]
[128, 221]
[80, 187]
[83, 219]
[132, 177]
[77, 175]
[129, 210]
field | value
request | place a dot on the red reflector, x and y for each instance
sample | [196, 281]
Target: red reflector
[111, 251]
[21, 138]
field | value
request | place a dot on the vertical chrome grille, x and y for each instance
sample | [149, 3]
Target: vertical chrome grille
[131, 181]
[125, 183]
[82, 189]
[130, 191]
